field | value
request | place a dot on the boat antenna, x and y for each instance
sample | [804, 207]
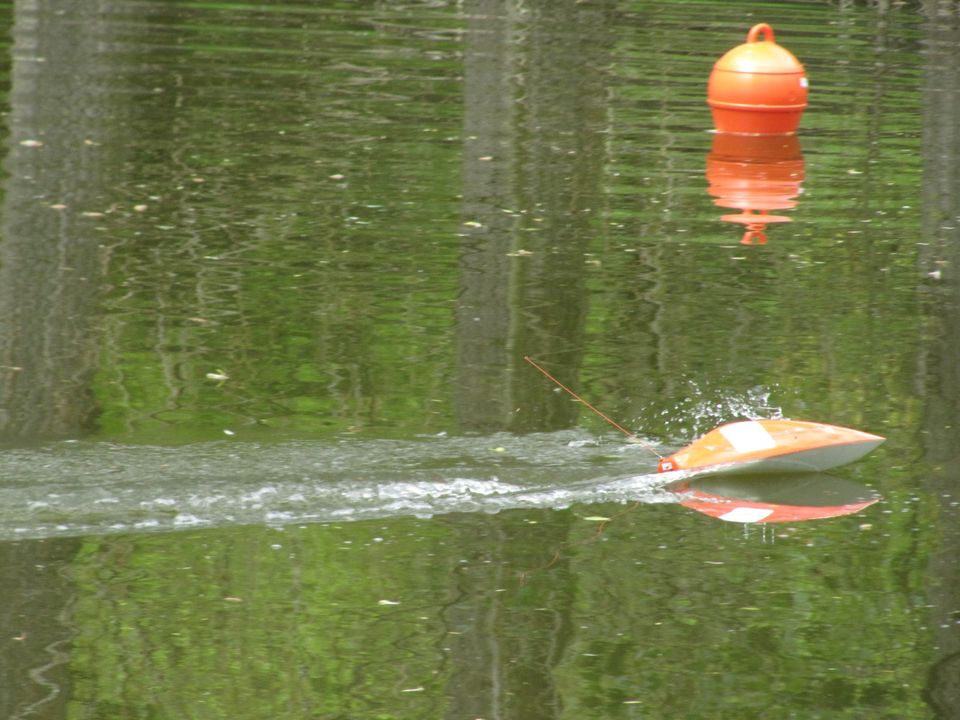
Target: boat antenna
[632, 437]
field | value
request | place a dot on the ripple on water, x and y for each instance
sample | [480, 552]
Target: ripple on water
[88, 488]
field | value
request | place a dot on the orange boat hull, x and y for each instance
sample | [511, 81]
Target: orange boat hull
[764, 446]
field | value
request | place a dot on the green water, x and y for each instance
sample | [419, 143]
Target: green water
[270, 449]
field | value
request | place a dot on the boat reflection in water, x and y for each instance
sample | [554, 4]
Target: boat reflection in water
[789, 497]
[755, 174]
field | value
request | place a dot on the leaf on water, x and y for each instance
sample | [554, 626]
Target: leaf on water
[388, 602]
[31, 143]
[596, 518]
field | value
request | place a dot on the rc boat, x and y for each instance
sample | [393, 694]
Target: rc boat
[765, 446]
[755, 446]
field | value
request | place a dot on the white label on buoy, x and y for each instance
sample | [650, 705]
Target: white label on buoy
[746, 514]
[749, 436]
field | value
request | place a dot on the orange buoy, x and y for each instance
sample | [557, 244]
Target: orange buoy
[773, 498]
[755, 174]
[763, 446]
[758, 87]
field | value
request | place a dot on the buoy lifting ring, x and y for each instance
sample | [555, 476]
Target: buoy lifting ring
[757, 30]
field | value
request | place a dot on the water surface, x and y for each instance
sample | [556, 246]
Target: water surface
[269, 446]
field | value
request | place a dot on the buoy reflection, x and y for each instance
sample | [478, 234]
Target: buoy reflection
[773, 498]
[755, 174]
